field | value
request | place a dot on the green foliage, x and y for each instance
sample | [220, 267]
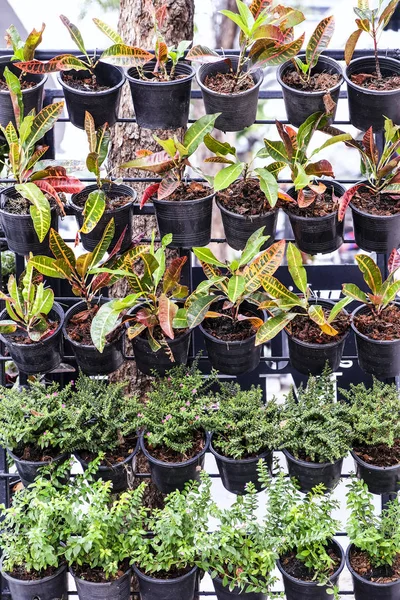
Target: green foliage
[374, 413]
[240, 551]
[319, 41]
[314, 424]
[23, 50]
[377, 535]
[177, 528]
[242, 425]
[8, 263]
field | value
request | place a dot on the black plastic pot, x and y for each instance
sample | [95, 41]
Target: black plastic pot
[122, 216]
[28, 470]
[369, 590]
[159, 104]
[167, 589]
[380, 480]
[310, 474]
[368, 108]
[88, 358]
[238, 228]
[38, 357]
[115, 590]
[121, 474]
[316, 235]
[19, 230]
[234, 358]
[375, 233]
[310, 359]
[103, 106]
[235, 473]
[299, 104]
[188, 221]
[223, 593]
[376, 357]
[32, 97]
[169, 477]
[296, 589]
[54, 587]
[238, 110]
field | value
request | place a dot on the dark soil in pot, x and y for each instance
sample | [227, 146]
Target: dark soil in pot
[37, 357]
[298, 579]
[170, 470]
[223, 592]
[31, 460]
[244, 209]
[376, 221]
[317, 229]
[239, 109]
[304, 99]
[309, 474]
[369, 100]
[187, 215]
[99, 95]
[17, 224]
[379, 467]
[167, 586]
[310, 348]
[378, 340]
[119, 206]
[49, 585]
[32, 92]
[91, 584]
[371, 583]
[236, 473]
[76, 331]
[161, 104]
[231, 345]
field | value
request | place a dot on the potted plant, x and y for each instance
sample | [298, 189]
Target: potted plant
[374, 415]
[311, 82]
[230, 326]
[316, 433]
[239, 555]
[29, 208]
[104, 419]
[311, 204]
[31, 324]
[34, 426]
[161, 313]
[310, 560]
[374, 202]
[174, 439]
[101, 532]
[373, 82]
[94, 206]
[183, 209]
[375, 322]
[165, 81]
[373, 554]
[33, 562]
[230, 84]
[32, 85]
[78, 319]
[244, 430]
[316, 328]
[165, 562]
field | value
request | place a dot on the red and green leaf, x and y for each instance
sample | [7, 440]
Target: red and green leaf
[346, 199]
[126, 56]
[148, 193]
[320, 40]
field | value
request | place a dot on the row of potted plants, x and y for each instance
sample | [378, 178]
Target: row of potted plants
[230, 84]
[82, 525]
[184, 415]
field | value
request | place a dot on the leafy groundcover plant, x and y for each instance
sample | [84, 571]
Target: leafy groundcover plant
[375, 554]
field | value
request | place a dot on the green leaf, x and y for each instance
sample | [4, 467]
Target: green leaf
[253, 246]
[307, 130]
[316, 314]
[276, 167]
[337, 309]
[43, 302]
[278, 291]
[320, 40]
[167, 145]
[343, 137]
[227, 176]
[268, 185]
[16, 42]
[302, 180]
[108, 31]
[277, 151]
[272, 327]
[236, 287]
[371, 273]
[353, 291]
[197, 132]
[180, 320]
[60, 249]
[263, 266]
[236, 19]
[7, 327]
[40, 209]
[44, 121]
[32, 42]
[14, 87]
[93, 211]
[246, 14]
[75, 35]
[126, 56]
[104, 322]
[296, 268]
[102, 247]
[277, 53]
[198, 310]
[206, 256]
[218, 147]
[50, 267]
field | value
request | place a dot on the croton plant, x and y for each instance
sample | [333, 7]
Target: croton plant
[23, 50]
[318, 42]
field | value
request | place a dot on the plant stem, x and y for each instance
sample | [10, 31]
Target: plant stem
[374, 37]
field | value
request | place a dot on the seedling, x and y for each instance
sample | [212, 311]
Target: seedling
[318, 42]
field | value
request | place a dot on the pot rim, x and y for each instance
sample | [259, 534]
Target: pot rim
[93, 583]
[373, 467]
[114, 466]
[136, 81]
[184, 202]
[319, 219]
[359, 61]
[150, 579]
[91, 346]
[310, 465]
[24, 582]
[38, 463]
[243, 461]
[171, 465]
[328, 59]
[313, 583]
[244, 217]
[258, 73]
[5, 212]
[92, 93]
[234, 342]
[329, 344]
[359, 578]
[106, 212]
[365, 337]
[40, 83]
[370, 215]
[60, 313]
